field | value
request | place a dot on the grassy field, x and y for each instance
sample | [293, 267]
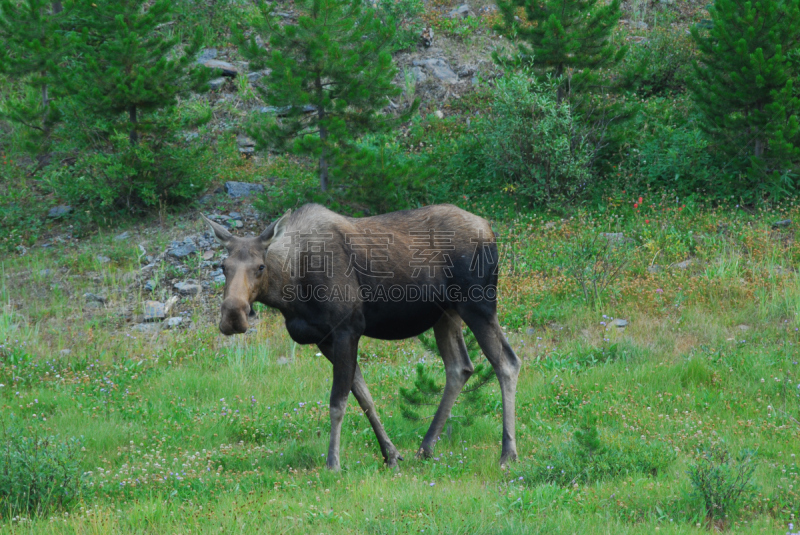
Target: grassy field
[184, 430]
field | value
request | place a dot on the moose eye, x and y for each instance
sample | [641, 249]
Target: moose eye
[261, 268]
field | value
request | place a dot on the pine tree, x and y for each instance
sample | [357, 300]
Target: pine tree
[744, 83]
[129, 63]
[428, 392]
[330, 74]
[564, 38]
[32, 44]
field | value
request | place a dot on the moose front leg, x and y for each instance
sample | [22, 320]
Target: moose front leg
[342, 351]
[361, 392]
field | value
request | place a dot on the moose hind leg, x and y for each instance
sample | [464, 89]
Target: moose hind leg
[506, 366]
[361, 393]
[458, 369]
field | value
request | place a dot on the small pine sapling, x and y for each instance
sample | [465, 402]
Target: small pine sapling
[427, 391]
[330, 76]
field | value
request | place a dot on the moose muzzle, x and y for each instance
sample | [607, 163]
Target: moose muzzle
[234, 316]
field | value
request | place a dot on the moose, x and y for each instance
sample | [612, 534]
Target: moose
[392, 276]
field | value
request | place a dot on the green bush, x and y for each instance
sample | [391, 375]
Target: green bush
[373, 177]
[721, 481]
[659, 65]
[591, 456]
[534, 144]
[161, 169]
[38, 475]
[406, 15]
[667, 150]
[379, 177]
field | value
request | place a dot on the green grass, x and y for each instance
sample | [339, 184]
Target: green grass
[189, 431]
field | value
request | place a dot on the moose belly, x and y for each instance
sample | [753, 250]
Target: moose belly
[395, 321]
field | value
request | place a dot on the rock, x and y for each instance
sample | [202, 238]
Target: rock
[206, 54]
[235, 215]
[65, 352]
[208, 255]
[419, 74]
[255, 76]
[216, 83]
[242, 189]
[59, 211]
[227, 69]
[94, 298]
[282, 111]
[615, 238]
[618, 323]
[655, 268]
[154, 311]
[439, 68]
[439, 114]
[782, 224]
[244, 141]
[191, 136]
[170, 304]
[530, 331]
[150, 285]
[182, 250]
[188, 288]
[174, 322]
[466, 71]
[122, 237]
[283, 361]
[45, 272]
[743, 327]
[149, 328]
[103, 259]
[461, 12]
[219, 279]
[639, 25]
[234, 224]
[685, 264]
[279, 111]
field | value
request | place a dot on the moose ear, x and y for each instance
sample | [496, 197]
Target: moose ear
[223, 236]
[275, 230]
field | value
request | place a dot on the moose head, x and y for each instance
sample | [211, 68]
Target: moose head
[246, 272]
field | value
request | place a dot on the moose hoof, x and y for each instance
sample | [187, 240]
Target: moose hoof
[508, 458]
[424, 453]
[392, 458]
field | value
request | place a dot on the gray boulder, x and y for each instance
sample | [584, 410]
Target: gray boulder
[154, 311]
[182, 250]
[228, 69]
[242, 189]
[174, 322]
[206, 54]
[461, 12]
[216, 83]
[438, 68]
[59, 211]
[188, 288]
